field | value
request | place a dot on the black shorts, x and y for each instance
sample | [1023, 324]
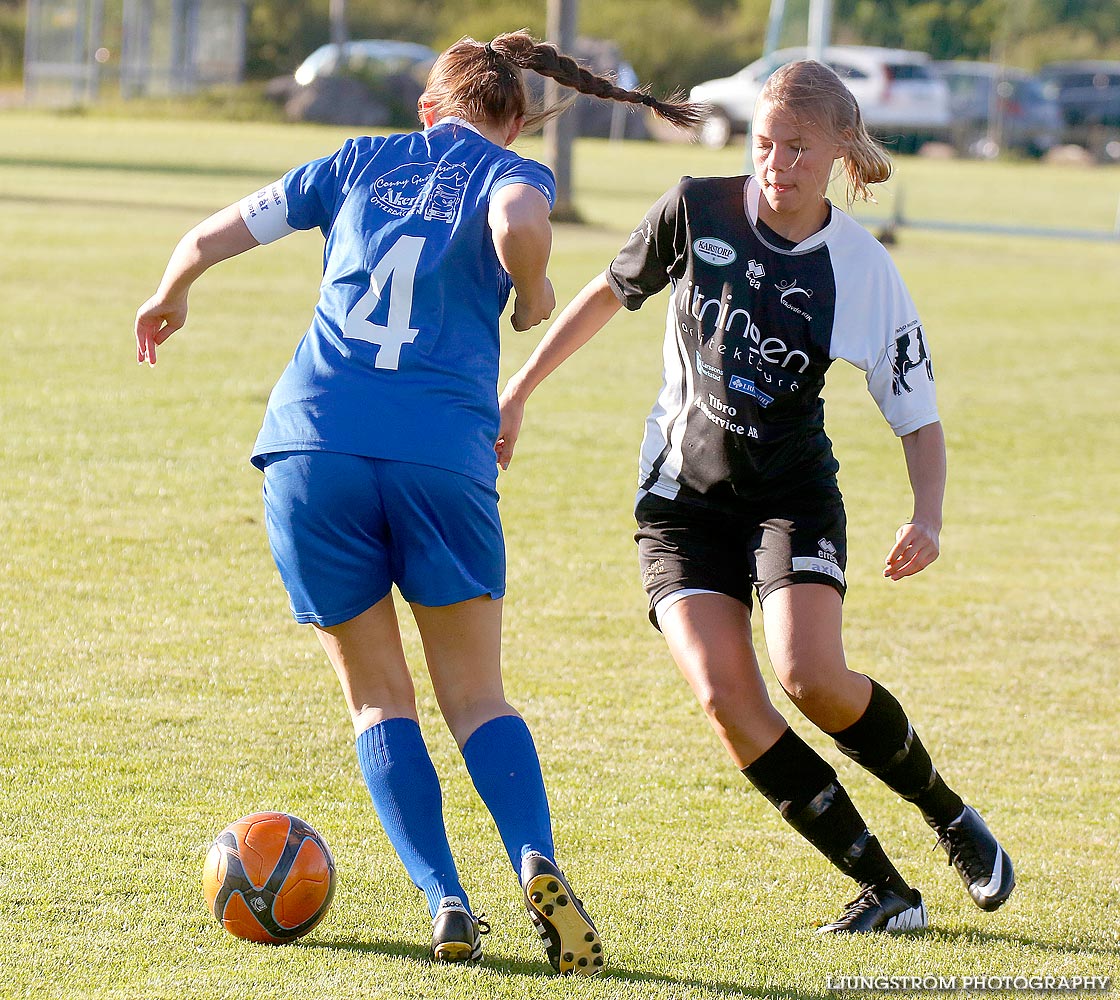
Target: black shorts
[764, 545]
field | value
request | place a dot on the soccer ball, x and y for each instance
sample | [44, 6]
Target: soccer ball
[269, 877]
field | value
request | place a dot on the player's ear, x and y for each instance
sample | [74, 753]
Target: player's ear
[514, 129]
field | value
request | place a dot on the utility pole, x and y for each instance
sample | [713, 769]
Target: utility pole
[774, 26]
[820, 28]
[559, 132]
[339, 33]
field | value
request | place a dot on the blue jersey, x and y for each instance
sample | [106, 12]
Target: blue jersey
[401, 358]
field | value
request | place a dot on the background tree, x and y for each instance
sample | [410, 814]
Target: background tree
[676, 43]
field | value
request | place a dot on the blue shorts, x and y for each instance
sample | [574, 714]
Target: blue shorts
[343, 529]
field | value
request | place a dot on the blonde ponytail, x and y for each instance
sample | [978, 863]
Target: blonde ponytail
[814, 95]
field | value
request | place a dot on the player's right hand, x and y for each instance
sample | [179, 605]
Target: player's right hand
[156, 320]
[528, 312]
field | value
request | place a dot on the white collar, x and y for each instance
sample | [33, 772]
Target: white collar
[455, 120]
[751, 197]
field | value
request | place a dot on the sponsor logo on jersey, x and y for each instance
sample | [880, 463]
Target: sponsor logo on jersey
[692, 305]
[755, 271]
[911, 342]
[714, 251]
[433, 189]
[744, 385]
[721, 414]
[826, 550]
[707, 370]
[809, 564]
[791, 287]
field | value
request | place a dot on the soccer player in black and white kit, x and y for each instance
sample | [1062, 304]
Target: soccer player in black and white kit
[737, 486]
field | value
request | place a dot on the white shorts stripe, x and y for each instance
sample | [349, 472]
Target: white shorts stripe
[808, 564]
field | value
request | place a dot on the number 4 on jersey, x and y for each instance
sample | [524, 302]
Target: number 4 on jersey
[397, 269]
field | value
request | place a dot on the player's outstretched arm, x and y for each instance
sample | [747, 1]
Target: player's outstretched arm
[523, 240]
[579, 321]
[917, 542]
[215, 239]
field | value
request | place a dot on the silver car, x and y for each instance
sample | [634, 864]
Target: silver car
[901, 99]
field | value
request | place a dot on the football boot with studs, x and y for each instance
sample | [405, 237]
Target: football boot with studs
[456, 932]
[570, 938]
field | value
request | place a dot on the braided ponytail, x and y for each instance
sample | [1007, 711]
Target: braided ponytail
[484, 82]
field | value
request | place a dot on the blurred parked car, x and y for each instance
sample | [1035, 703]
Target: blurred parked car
[999, 108]
[379, 56]
[370, 82]
[1089, 95]
[901, 99]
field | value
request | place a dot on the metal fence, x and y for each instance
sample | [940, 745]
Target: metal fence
[79, 50]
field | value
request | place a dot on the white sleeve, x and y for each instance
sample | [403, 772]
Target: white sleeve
[266, 213]
[877, 329]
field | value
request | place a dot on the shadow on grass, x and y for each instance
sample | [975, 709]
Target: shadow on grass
[112, 204]
[69, 198]
[130, 166]
[540, 970]
[980, 938]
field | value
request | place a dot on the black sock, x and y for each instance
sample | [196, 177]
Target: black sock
[883, 741]
[803, 787]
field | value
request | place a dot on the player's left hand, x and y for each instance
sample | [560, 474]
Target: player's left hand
[916, 545]
[156, 320]
[512, 413]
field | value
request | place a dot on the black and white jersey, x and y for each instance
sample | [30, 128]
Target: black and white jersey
[753, 324]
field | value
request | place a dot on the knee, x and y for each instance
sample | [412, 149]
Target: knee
[832, 697]
[807, 687]
[727, 706]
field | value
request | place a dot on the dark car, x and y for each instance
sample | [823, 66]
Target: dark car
[1089, 95]
[997, 109]
[369, 82]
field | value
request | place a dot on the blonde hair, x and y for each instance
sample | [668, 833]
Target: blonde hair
[483, 82]
[814, 95]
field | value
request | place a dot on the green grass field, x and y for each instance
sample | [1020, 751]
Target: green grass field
[155, 689]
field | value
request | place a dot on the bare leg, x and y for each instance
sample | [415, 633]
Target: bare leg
[463, 648]
[802, 625]
[462, 644]
[709, 636]
[367, 655]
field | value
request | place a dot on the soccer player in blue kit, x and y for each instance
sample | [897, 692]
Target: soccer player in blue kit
[737, 481]
[378, 449]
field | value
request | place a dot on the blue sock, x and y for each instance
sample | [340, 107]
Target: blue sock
[504, 767]
[404, 786]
